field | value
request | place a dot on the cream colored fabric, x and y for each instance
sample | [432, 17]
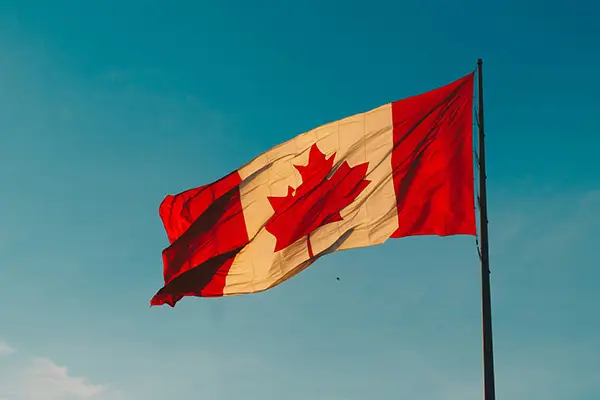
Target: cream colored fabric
[369, 220]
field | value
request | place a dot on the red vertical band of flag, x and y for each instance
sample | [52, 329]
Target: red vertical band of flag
[206, 229]
[432, 161]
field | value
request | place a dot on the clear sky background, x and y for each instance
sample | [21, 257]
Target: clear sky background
[106, 107]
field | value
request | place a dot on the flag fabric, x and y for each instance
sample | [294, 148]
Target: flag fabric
[402, 169]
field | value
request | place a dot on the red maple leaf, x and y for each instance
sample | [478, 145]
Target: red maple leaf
[317, 201]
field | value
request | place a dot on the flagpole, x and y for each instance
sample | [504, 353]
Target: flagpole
[486, 306]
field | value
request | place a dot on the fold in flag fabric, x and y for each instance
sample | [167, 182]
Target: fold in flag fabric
[402, 169]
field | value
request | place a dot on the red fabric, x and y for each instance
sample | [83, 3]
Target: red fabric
[180, 211]
[432, 161]
[206, 229]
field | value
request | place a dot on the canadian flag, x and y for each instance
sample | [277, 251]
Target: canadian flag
[399, 170]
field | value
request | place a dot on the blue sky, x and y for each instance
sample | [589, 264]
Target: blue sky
[106, 107]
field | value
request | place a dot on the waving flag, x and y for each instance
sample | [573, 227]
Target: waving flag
[402, 169]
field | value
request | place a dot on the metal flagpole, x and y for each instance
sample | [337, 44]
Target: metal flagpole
[486, 306]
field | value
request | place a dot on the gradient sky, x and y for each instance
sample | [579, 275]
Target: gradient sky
[106, 107]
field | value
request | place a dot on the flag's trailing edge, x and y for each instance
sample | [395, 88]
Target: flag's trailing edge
[402, 169]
